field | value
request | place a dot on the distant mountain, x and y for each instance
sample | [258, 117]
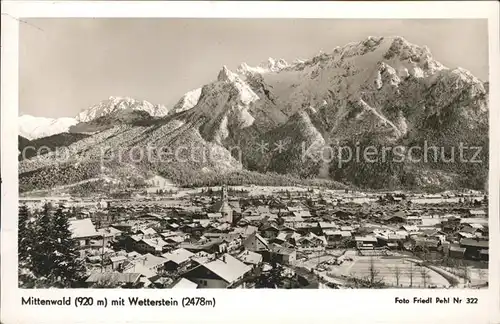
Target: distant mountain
[281, 118]
[113, 104]
[37, 127]
[31, 127]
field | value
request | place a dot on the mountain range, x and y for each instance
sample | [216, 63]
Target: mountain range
[273, 124]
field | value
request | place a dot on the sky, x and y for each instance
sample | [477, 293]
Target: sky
[69, 64]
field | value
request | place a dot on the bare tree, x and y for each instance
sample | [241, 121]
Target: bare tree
[411, 273]
[424, 273]
[374, 274]
[466, 273]
[397, 274]
[483, 275]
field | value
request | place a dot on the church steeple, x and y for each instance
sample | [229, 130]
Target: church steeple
[225, 209]
[224, 194]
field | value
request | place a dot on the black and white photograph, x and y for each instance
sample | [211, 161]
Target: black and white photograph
[159, 153]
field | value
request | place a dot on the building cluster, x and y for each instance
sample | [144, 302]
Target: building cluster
[218, 241]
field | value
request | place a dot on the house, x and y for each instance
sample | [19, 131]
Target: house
[202, 257]
[409, 228]
[292, 220]
[252, 219]
[270, 231]
[223, 272]
[304, 228]
[194, 228]
[476, 213]
[483, 221]
[292, 209]
[287, 237]
[114, 279]
[425, 244]
[245, 231]
[281, 254]
[414, 220]
[365, 242]
[429, 222]
[474, 229]
[177, 258]
[148, 261]
[83, 231]
[147, 232]
[151, 245]
[396, 218]
[184, 283]
[302, 214]
[209, 246]
[455, 251]
[214, 215]
[336, 235]
[256, 243]
[110, 234]
[311, 241]
[117, 262]
[149, 216]
[172, 226]
[390, 240]
[137, 267]
[475, 249]
[250, 258]
[342, 214]
[233, 242]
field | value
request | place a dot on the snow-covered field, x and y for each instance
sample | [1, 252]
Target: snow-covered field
[477, 276]
[387, 268]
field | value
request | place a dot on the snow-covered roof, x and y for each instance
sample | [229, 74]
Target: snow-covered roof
[250, 257]
[109, 231]
[156, 243]
[151, 261]
[178, 256]
[185, 284]
[81, 228]
[228, 268]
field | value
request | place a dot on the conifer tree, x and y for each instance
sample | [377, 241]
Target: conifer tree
[25, 246]
[43, 247]
[24, 237]
[67, 266]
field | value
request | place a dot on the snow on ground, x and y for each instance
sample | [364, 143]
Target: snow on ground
[477, 276]
[386, 267]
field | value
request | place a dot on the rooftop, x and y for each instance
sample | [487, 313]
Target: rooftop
[185, 284]
[250, 257]
[228, 268]
[113, 277]
[178, 256]
[474, 243]
[81, 228]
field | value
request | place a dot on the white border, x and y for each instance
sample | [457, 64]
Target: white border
[250, 306]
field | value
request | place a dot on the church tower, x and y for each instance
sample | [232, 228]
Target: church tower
[226, 210]
[224, 194]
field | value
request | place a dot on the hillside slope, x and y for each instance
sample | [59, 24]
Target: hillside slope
[304, 120]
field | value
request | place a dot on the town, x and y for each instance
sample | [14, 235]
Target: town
[277, 237]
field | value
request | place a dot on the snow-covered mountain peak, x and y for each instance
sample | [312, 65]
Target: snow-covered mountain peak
[274, 65]
[31, 127]
[114, 103]
[271, 65]
[188, 101]
[226, 75]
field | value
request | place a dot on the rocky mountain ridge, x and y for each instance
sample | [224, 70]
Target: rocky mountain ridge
[382, 91]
